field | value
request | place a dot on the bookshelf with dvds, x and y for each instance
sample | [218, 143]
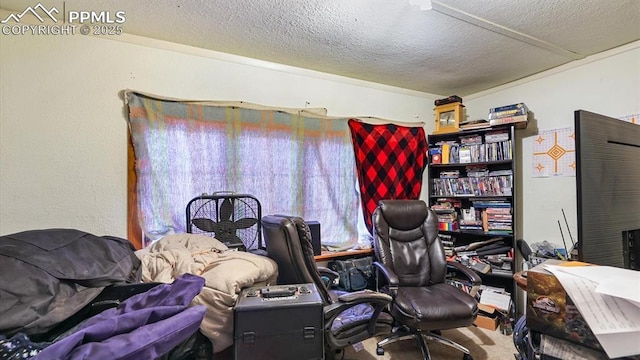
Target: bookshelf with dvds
[472, 190]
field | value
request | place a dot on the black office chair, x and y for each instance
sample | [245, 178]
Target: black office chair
[412, 260]
[348, 317]
[524, 248]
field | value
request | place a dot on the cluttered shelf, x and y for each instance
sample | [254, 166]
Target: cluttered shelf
[472, 189]
[463, 164]
[476, 233]
[507, 274]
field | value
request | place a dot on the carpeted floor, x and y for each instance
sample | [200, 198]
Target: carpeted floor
[483, 344]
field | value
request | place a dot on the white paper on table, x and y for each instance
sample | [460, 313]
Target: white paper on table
[612, 281]
[565, 350]
[614, 321]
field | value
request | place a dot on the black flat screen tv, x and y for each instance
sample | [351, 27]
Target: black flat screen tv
[608, 190]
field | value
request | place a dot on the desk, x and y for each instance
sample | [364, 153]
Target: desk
[520, 280]
[329, 255]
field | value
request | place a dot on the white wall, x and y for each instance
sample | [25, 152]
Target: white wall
[63, 133]
[607, 83]
[63, 130]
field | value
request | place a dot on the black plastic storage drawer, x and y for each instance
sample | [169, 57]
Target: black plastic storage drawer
[281, 322]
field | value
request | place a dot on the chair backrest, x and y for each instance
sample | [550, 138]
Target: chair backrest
[405, 239]
[288, 242]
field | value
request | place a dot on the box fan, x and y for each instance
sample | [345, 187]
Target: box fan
[233, 219]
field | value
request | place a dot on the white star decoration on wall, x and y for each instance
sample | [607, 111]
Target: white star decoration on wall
[554, 153]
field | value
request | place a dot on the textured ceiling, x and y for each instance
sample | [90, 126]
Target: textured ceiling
[456, 47]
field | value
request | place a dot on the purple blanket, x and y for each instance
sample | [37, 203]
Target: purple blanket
[145, 326]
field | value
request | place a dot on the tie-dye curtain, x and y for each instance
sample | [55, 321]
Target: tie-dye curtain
[390, 160]
[292, 162]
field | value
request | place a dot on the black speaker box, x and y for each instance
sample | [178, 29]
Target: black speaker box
[631, 249]
[314, 227]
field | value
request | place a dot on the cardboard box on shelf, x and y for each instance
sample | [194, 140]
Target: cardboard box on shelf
[488, 317]
[551, 311]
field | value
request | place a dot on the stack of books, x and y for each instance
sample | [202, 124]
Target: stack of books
[514, 113]
[474, 124]
[448, 243]
[471, 225]
[448, 221]
[447, 214]
[499, 220]
[496, 216]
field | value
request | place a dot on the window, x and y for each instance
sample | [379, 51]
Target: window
[293, 162]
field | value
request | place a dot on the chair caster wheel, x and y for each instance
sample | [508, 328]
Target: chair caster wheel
[467, 357]
[380, 351]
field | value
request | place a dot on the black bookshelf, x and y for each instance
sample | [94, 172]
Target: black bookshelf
[473, 192]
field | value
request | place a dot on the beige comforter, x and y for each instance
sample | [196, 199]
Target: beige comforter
[226, 272]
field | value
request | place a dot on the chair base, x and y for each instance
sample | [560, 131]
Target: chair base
[333, 354]
[404, 333]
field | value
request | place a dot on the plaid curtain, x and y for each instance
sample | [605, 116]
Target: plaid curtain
[390, 161]
[292, 162]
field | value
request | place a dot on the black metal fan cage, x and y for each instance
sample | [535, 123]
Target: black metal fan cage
[234, 219]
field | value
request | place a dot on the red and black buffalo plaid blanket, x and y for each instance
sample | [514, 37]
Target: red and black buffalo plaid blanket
[390, 160]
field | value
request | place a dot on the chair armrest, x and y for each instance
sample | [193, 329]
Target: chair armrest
[471, 275]
[347, 301]
[390, 275]
[364, 295]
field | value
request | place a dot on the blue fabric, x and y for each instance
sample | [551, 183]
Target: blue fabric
[19, 347]
[144, 326]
